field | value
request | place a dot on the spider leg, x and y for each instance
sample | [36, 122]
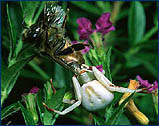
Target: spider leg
[109, 85]
[52, 86]
[68, 101]
[75, 105]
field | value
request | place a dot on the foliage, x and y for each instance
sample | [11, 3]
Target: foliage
[128, 51]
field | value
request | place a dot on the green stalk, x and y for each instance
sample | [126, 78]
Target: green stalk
[155, 101]
[150, 33]
[39, 70]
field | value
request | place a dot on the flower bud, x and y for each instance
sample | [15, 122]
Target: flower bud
[31, 105]
[136, 112]
[48, 90]
[131, 105]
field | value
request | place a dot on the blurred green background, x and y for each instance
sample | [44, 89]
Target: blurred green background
[134, 52]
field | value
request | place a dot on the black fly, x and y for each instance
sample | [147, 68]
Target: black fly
[48, 35]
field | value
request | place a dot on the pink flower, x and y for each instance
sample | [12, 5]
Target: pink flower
[143, 83]
[154, 87]
[84, 28]
[146, 84]
[103, 25]
[83, 51]
[100, 68]
[34, 90]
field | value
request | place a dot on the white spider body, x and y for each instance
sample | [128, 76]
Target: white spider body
[95, 96]
[93, 90]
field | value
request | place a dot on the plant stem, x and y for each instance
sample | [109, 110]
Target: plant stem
[116, 10]
[155, 101]
[150, 33]
[39, 70]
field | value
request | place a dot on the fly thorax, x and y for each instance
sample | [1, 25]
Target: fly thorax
[86, 77]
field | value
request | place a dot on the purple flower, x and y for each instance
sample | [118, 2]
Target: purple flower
[146, 84]
[100, 68]
[84, 28]
[154, 87]
[103, 24]
[83, 51]
[34, 90]
[143, 83]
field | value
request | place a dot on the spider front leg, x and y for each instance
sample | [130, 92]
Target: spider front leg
[75, 105]
[52, 86]
[68, 101]
[109, 85]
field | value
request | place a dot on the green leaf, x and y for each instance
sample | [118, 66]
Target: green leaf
[3, 65]
[60, 77]
[132, 61]
[109, 111]
[30, 102]
[104, 6]
[31, 10]
[116, 114]
[98, 120]
[26, 51]
[110, 108]
[106, 64]
[56, 99]
[150, 33]
[136, 22]
[27, 116]
[57, 115]
[94, 61]
[87, 60]
[54, 103]
[122, 14]
[40, 105]
[42, 73]
[123, 120]
[48, 91]
[12, 36]
[155, 101]
[18, 47]
[16, 52]
[87, 7]
[149, 44]
[147, 59]
[151, 68]
[9, 110]
[6, 89]
[9, 77]
[30, 74]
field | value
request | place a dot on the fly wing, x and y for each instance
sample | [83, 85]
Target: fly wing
[54, 15]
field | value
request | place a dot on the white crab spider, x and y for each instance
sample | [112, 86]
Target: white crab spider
[93, 90]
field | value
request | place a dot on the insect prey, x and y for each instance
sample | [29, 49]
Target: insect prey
[48, 36]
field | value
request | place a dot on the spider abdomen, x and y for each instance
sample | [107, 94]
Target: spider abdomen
[95, 96]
